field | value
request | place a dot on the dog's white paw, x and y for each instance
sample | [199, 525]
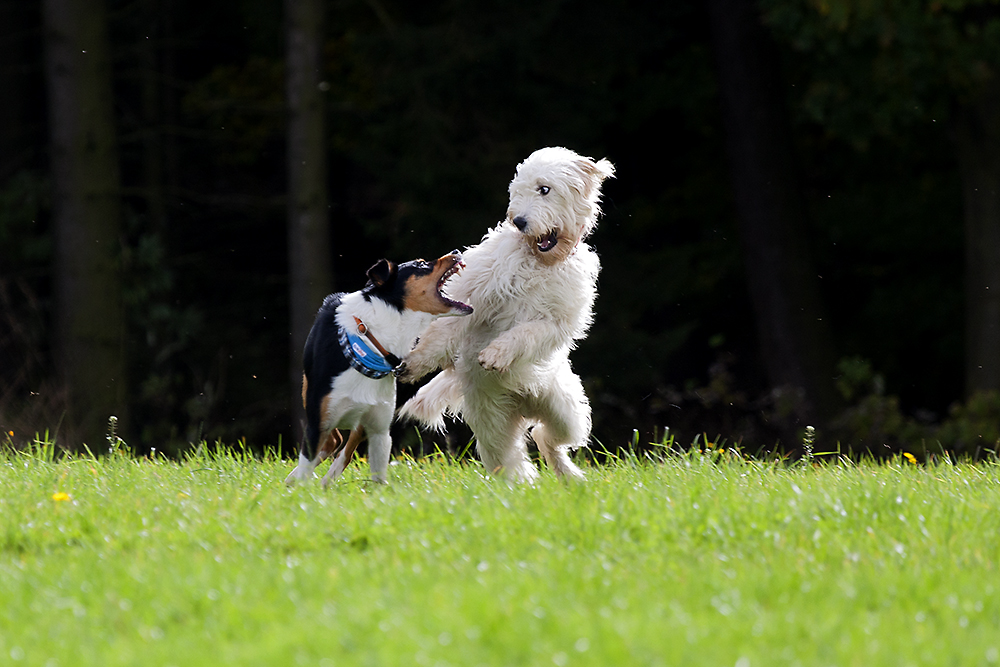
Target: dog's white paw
[303, 471]
[415, 366]
[496, 358]
[298, 476]
[337, 469]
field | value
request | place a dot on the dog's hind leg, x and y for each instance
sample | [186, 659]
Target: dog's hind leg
[330, 445]
[500, 430]
[440, 396]
[556, 455]
[339, 464]
[564, 416]
[304, 470]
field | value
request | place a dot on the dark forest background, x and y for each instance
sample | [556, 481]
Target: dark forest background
[804, 227]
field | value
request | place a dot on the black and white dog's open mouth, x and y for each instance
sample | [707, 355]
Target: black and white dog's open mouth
[452, 303]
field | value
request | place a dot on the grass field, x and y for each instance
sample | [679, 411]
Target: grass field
[699, 559]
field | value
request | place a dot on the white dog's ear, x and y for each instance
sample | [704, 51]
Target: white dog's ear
[596, 172]
[604, 169]
[383, 272]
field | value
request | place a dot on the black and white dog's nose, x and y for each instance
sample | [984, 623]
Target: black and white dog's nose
[520, 222]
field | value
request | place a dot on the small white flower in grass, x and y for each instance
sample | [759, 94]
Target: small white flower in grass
[560, 659]
[582, 644]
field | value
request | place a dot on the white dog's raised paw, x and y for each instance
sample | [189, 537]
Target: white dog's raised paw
[495, 358]
[413, 368]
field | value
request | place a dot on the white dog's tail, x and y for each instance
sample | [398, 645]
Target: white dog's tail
[439, 397]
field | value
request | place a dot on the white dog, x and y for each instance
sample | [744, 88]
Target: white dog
[532, 283]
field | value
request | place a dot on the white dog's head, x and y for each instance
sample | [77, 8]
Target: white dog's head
[555, 200]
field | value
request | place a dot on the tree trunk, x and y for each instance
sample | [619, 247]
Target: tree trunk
[152, 116]
[89, 318]
[310, 268]
[796, 344]
[16, 24]
[977, 140]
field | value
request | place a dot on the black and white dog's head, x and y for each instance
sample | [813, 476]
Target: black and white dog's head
[417, 285]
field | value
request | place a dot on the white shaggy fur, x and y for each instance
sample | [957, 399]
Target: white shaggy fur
[506, 366]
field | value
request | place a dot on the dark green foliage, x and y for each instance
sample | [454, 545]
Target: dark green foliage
[880, 68]
[430, 108]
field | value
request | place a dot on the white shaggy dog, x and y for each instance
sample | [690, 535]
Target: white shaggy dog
[532, 283]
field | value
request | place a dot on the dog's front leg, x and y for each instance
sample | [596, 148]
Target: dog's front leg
[377, 423]
[379, 449]
[433, 350]
[531, 340]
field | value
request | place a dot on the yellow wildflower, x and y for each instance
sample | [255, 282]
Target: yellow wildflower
[60, 496]
[910, 457]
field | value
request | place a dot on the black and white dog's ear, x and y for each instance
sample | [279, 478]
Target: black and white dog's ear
[383, 272]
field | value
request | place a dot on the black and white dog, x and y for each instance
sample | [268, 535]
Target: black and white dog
[351, 357]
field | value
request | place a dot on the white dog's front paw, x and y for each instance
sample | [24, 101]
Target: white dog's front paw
[496, 358]
[415, 366]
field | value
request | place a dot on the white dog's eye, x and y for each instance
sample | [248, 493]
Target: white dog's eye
[543, 189]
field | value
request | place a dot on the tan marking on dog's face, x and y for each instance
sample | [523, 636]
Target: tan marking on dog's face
[421, 293]
[305, 386]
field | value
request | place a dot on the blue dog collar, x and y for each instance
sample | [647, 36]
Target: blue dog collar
[362, 358]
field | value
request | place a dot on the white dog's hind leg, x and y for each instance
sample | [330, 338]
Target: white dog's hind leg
[564, 414]
[555, 455]
[441, 395]
[500, 430]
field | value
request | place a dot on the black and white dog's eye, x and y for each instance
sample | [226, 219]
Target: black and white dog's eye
[543, 189]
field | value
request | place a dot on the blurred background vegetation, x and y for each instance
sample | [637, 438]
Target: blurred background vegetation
[836, 158]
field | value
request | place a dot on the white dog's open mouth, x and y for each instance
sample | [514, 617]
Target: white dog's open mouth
[462, 308]
[548, 242]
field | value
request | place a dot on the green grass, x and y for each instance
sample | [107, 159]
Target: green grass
[696, 560]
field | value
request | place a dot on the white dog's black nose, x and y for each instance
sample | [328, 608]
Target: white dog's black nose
[520, 222]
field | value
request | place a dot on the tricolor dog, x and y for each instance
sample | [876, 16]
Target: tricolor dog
[532, 281]
[351, 356]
